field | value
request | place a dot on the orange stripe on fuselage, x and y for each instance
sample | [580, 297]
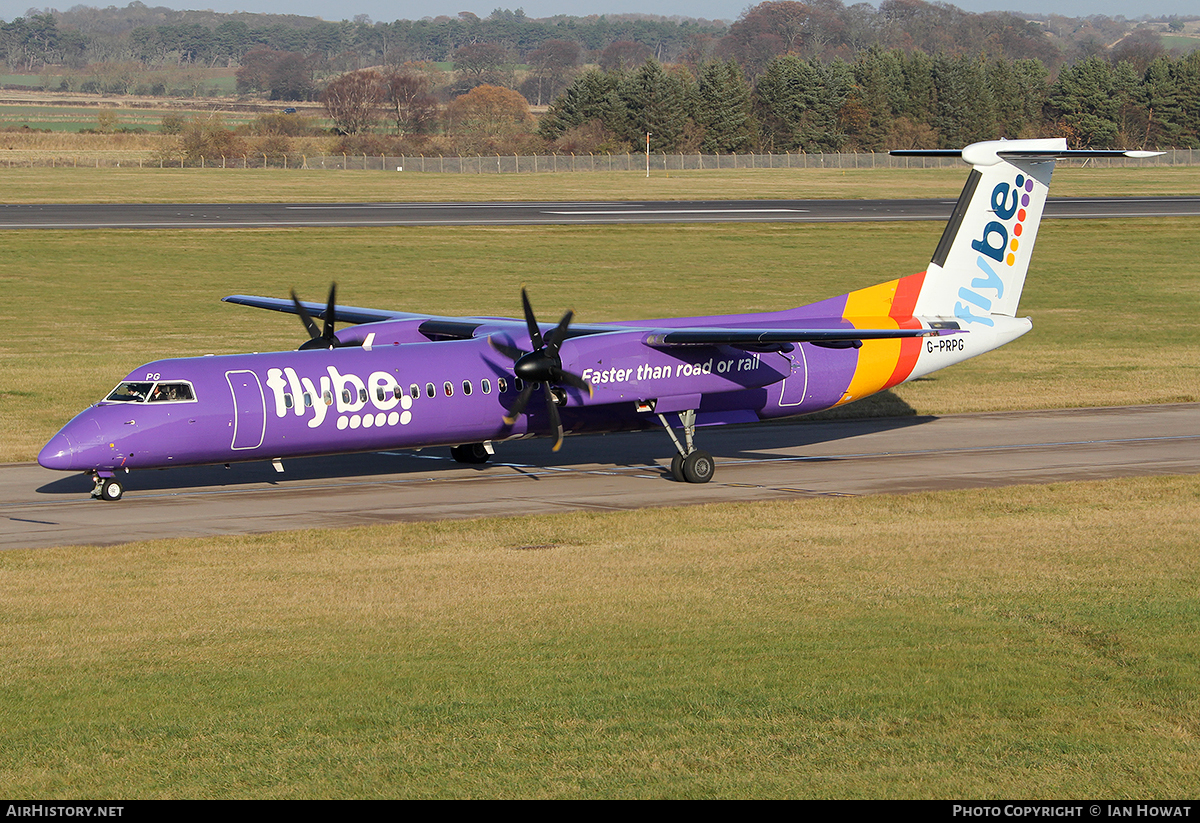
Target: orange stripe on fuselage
[883, 363]
[907, 291]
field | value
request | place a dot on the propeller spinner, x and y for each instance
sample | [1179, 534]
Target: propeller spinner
[542, 365]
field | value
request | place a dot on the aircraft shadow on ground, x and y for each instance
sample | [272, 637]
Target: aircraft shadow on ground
[647, 450]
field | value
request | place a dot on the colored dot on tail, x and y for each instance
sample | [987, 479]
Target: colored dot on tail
[1021, 215]
[1013, 244]
[1017, 230]
[1012, 258]
[1024, 199]
[1028, 185]
[1020, 181]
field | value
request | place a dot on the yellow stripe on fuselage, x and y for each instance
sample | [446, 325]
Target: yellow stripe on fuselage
[868, 309]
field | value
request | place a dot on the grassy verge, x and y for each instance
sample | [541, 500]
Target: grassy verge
[150, 185]
[1030, 642]
[1113, 302]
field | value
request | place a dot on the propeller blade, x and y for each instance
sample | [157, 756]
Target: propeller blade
[535, 334]
[573, 380]
[511, 352]
[305, 317]
[518, 405]
[555, 420]
[330, 312]
[555, 338]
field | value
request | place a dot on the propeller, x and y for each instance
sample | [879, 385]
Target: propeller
[319, 339]
[542, 365]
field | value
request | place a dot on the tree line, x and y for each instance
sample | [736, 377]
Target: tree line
[884, 99]
[822, 29]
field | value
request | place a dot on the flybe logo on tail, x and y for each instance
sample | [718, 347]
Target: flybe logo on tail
[999, 244]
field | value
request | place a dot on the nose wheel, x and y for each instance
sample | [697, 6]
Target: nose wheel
[107, 488]
[689, 464]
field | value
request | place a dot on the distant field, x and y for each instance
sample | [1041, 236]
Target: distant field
[1184, 44]
[1028, 642]
[151, 185]
[75, 118]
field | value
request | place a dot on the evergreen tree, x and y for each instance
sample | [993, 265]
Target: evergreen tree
[724, 109]
[799, 102]
[1083, 102]
[657, 102]
[593, 96]
[965, 110]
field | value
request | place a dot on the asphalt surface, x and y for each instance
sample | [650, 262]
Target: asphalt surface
[261, 215]
[42, 508]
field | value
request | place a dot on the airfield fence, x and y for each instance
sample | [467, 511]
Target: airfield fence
[538, 163]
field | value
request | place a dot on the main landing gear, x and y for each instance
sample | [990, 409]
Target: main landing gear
[107, 488]
[472, 453]
[689, 465]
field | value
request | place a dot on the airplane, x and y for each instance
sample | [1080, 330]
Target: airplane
[399, 380]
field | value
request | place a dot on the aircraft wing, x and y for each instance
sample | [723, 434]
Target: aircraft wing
[670, 338]
[343, 314]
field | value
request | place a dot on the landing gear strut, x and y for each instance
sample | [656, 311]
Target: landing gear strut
[472, 453]
[689, 464]
[107, 488]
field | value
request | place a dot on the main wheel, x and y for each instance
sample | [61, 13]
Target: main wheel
[677, 468]
[473, 453]
[698, 467]
[111, 489]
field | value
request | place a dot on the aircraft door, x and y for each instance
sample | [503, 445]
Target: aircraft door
[795, 385]
[249, 410]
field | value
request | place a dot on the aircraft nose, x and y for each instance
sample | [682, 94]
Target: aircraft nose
[57, 454]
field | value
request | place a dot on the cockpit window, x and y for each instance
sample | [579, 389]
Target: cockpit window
[131, 392]
[166, 392]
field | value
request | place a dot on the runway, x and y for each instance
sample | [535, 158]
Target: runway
[332, 215]
[607, 473]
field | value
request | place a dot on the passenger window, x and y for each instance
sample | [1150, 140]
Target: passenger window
[397, 392]
[414, 391]
[501, 385]
[288, 401]
[362, 395]
[430, 390]
[448, 388]
[486, 385]
[307, 400]
[346, 396]
[327, 397]
[466, 387]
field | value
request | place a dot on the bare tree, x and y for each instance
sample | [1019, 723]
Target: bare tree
[409, 101]
[352, 100]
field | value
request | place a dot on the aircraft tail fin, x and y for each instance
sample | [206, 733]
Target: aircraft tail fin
[979, 266]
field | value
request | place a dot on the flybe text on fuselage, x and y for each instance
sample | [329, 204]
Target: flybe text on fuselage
[377, 400]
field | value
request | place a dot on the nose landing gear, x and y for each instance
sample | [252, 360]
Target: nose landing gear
[106, 488]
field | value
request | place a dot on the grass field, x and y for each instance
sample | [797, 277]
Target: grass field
[1032, 642]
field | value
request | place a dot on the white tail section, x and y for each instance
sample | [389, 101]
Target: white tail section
[979, 267]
